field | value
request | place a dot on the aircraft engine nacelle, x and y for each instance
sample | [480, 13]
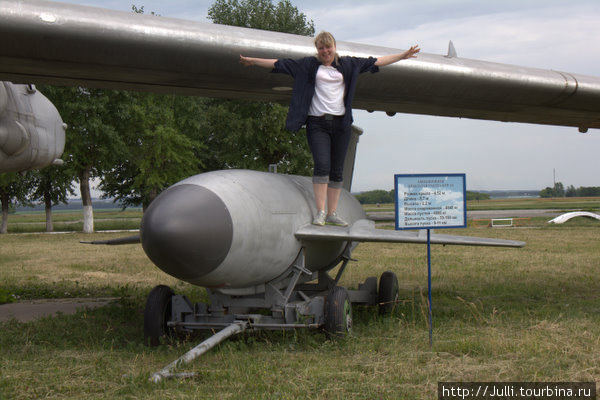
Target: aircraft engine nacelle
[234, 229]
[32, 133]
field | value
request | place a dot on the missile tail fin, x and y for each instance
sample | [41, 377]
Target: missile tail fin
[351, 157]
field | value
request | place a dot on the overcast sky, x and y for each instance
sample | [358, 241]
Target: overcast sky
[550, 34]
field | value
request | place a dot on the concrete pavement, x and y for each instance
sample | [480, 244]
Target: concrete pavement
[30, 310]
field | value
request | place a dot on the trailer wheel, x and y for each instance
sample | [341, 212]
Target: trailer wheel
[388, 294]
[156, 315]
[338, 313]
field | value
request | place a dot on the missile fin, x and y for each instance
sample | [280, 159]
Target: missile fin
[118, 241]
[364, 231]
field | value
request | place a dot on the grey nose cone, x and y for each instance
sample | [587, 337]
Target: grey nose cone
[187, 231]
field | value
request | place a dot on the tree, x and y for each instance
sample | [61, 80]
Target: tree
[245, 134]
[158, 139]
[557, 191]
[570, 192]
[376, 197]
[93, 144]
[52, 186]
[547, 192]
[13, 188]
[477, 196]
[592, 191]
[261, 14]
[252, 135]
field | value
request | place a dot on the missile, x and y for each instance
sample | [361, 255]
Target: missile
[234, 230]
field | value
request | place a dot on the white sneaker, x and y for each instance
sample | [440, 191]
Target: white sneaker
[320, 218]
[334, 219]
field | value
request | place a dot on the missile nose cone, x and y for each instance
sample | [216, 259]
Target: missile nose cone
[187, 231]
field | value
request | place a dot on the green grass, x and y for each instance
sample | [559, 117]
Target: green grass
[530, 314]
[116, 219]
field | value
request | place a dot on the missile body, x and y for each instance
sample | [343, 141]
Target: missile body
[234, 230]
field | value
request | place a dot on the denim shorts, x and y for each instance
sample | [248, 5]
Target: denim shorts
[328, 140]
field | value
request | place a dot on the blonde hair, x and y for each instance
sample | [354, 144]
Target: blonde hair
[326, 39]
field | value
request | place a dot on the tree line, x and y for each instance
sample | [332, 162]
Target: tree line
[559, 191]
[384, 196]
[138, 144]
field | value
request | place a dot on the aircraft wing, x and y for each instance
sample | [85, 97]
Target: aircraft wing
[364, 231]
[48, 42]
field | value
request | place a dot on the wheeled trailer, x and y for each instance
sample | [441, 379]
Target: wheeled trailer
[297, 304]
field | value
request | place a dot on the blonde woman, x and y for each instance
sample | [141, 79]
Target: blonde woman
[322, 100]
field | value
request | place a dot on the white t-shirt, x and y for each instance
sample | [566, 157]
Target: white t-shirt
[329, 93]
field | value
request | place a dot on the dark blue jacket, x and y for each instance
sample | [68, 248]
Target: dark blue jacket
[304, 72]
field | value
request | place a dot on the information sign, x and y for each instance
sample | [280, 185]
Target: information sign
[430, 201]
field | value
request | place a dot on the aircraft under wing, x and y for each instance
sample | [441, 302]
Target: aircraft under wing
[364, 231]
[48, 42]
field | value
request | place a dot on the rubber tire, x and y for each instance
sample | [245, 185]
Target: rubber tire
[338, 313]
[388, 294]
[156, 315]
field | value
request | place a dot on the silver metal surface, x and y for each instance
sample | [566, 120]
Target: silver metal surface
[243, 221]
[75, 45]
[187, 231]
[167, 372]
[32, 133]
[364, 231]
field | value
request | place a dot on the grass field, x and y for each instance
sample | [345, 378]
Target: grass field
[530, 314]
[107, 219]
[72, 221]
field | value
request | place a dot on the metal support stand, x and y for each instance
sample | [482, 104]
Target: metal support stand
[293, 302]
[233, 329]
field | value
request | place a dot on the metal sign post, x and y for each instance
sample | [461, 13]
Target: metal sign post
[429, 286]
[429, 201]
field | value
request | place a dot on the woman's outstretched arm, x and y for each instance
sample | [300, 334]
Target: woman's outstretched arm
[387, 60]
[259, 62]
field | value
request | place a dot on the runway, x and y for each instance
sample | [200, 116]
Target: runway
[514, 214]
[483, 214]
[30, 310]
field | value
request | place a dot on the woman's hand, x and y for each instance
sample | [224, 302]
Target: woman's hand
[387, 60]
[412, 52]
[246, 61]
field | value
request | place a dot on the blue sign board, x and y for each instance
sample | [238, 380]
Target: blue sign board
[430, 201]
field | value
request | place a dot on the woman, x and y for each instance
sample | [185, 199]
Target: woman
[322, 99]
